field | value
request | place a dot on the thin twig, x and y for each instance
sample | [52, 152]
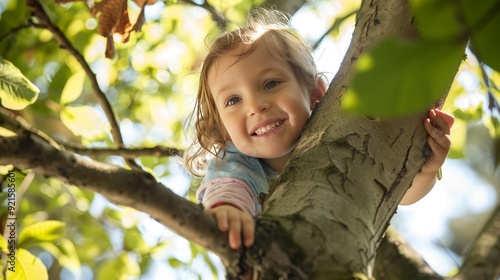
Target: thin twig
[15, 30]
[132, 188]
[335, 25]
[38, 11]
[18, 125]
[129, 153]
[219, 18]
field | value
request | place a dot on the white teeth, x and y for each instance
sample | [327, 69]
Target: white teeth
[267, 128]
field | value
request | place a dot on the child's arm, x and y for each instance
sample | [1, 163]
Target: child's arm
[237, 222]
[438, 125]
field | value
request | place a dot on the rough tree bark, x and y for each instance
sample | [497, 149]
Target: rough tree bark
[339, 191]
[324, 218]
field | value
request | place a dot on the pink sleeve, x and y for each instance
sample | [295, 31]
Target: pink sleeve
[227, 191]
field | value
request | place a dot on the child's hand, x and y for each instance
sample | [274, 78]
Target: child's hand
[438, 125]
[237, 222]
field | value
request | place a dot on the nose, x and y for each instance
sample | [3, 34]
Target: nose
[257, 103]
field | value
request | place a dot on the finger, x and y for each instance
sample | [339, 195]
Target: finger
[448, 118]
[234, 231]
[437, 120]
[438, 151]
[221, 217]
[438, 156]
[438, 135]
[248, 228]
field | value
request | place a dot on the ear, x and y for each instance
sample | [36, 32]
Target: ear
[317, 92]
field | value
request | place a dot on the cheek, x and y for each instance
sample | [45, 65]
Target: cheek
[221, 128]
[301, 111]
[231, 128]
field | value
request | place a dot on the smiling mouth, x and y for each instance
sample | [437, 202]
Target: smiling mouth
[265, 129]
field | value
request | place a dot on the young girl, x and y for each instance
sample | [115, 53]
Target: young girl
[258, 87]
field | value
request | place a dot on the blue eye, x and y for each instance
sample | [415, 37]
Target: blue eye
[270, 84]
[233, 101]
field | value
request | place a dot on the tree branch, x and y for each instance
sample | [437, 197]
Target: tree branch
[39, 12]
[219, 18]
[18, 125]
[129, 153]
[396, 260]
[132, 188]
[335, 26]
[16, 29]
[483, 259]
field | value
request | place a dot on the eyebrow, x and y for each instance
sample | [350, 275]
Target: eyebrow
[271, 69]
[262, 72]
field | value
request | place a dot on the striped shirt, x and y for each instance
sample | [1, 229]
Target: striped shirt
[237, 180]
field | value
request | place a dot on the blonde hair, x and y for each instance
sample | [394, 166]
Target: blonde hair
[263, 26]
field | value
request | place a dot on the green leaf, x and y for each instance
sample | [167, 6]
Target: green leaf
[400, 77]
[175, 262]
[457, 20]
[469, 114]
[484, 20]
[114, 214]
[94, 240]
[119, 268]
[46, 231]
[89, 250]
[438, 19]
[16, 91]
[159, 250]
[26, 267]
[73, 88]
[134, 241]
[65, 253]
[84, 121]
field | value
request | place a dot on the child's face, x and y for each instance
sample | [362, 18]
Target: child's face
[261, 103]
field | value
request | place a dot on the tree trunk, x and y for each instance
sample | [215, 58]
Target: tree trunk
[333, 202]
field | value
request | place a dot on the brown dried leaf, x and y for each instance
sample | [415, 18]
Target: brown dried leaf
[110, 13]
[110, 47]
[140, 21]
[141, 3]
[97, 7]
[123, 27]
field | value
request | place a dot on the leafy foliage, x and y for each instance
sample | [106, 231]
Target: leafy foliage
[484, 22]
[150, 83]
[46, 231]
[28, 267]
[419, 72]
[16, 91]
[398, 78]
